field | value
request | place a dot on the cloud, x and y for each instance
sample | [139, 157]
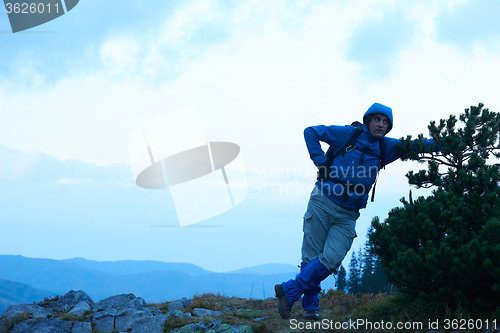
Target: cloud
[70, 46]
[120, 54]
[377, 42]
[67, 181]
[470, 22]
[35, 168]
[15, 165]
[259, 74]
[188, 22]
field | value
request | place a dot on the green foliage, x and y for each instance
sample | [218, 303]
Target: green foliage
[374, 307]
[336, 305]
[247, 314]
[446, 247]
[464, 151]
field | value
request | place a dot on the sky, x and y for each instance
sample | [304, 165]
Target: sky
[258, 72]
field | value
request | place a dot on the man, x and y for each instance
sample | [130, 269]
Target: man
[330, 219]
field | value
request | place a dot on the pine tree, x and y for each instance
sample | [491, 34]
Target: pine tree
[378, 279]
[373, 278]
[446, 247]
[341, 283]
[367, 270]
[354, 281]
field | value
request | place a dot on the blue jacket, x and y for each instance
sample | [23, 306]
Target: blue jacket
[359, 167]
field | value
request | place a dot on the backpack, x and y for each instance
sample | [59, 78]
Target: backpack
[324, 172]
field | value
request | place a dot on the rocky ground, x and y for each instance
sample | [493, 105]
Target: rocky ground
[75, 312]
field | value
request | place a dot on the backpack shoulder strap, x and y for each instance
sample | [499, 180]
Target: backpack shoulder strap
[382, 153]
[382, 165]
[351, 143]
[331, 155]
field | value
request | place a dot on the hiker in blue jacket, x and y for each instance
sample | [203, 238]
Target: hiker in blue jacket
[340, 192]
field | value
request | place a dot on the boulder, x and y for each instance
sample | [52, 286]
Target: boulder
[198, 312]
[178, 314]
[68, 301]
[175, 306]
[126, 313]
[35, 311]
[81, 327]
[46, 325]
[186, 302]
[139, 320]
[104, 320]
[118, 302]
[80, 308]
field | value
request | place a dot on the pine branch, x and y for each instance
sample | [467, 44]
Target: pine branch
[432, 158]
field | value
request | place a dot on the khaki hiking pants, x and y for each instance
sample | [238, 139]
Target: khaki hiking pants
[329, 231]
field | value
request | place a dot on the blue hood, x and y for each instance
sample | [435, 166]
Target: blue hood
[382, 109]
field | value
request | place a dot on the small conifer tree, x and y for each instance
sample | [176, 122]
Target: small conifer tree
[373, 278]
[341, 283]
[446, 247]
[355, 266]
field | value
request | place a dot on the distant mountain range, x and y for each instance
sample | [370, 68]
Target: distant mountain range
[25, 280]
[19, 293]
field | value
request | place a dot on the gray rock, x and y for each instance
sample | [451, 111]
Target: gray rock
[105, 324]
[119, 302]
[105, 319]
[35, 311]
[150, 325]
[3, 325]
[175, 306]
[104, 313]
[155, 311]
[24, 326]
[191, 328]
[198, 312]
[139, 320]
[81, 327]
[187, 303]
[127, 313]
[46, 325]
[141, 301]
[177, 314]
[214, 326]
[80, 308]
[68, 301]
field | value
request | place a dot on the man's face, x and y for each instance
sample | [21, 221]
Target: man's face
[378, 125]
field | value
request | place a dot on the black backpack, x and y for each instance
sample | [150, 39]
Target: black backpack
[324, 172]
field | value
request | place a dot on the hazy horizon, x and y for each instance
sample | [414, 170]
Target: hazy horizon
[74, 89]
